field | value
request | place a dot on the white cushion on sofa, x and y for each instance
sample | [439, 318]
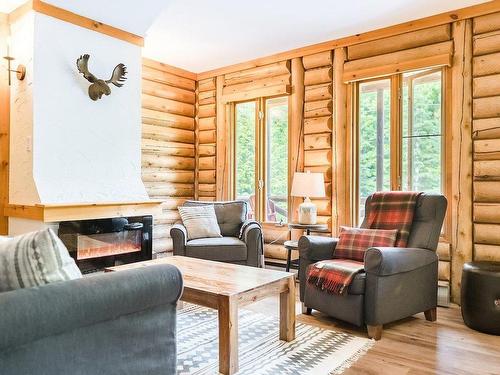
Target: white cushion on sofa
[200, 221]
[34, 259]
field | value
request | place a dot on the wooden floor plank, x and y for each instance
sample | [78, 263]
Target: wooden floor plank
[414, 346]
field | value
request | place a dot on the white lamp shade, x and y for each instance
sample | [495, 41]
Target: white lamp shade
[310, 185]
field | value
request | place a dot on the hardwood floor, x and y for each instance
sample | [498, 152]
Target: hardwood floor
[415, 346]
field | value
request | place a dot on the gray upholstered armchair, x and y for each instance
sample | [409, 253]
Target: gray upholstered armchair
[234, 247]
[397, 282]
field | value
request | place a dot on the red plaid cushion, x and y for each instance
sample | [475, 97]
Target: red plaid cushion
[354, 242]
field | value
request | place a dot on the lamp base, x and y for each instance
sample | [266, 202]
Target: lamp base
[307, 212]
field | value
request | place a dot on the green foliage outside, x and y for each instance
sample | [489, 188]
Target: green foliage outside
[277, 153]
[245, 149]
[425, 140]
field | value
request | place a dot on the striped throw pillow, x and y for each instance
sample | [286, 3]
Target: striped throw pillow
[35, 259]
[200, 221]
[353, 242]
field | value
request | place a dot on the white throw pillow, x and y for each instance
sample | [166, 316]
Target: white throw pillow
[35, 259]
[200, 221]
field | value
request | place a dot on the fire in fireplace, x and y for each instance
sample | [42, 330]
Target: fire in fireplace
[100, 243]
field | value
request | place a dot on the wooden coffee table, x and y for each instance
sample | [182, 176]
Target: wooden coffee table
[226, 287]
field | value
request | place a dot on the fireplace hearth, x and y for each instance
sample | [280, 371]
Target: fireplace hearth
[96, 244]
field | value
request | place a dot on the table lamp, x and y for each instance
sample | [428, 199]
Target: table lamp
[308, 185]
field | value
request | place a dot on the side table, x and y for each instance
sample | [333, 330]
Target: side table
[294, 245]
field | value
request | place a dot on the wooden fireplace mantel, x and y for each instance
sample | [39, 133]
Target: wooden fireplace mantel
[82, 211]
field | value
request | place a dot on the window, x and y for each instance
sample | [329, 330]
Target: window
[400, 134]
[261, 157]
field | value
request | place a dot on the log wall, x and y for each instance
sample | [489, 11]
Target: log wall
[168, 144]
[486, 136]
[321, 123]
[318, 125]
[206, 129]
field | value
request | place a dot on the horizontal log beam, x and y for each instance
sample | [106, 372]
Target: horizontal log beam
[317, 141]
[319, 92]
[486, 107]
[167, 148]
[400, 42]
[207, 123]
[486, 64]
[206, 111]
[167, 78]
[165, 175]
[162, 90]
[257, 93]
[317, 157]
[486, 252]
[486, 213]
[318, 109]
[252, 74]
[152, 117]
[206, 84]
[318, 76]
[318, 125]
[162, 133]
[207, 136]
[487, 191]
[486, 43]
[155, 160]
[206, 150]
[283, 79]
[488, 128]
[318, 60]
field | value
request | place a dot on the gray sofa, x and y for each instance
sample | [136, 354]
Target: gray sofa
[114, 323]
[397, 283]
[242, 241]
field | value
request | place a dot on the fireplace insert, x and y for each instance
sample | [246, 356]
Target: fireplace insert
[96, 244]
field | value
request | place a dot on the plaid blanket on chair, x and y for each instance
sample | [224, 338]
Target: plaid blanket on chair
[393, 210]
[388, 224]
[333, 275]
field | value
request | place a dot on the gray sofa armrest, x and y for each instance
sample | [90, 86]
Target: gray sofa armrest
[317, 248]
[36, 313]
[252, 236]
[386, 261]
[178, 233]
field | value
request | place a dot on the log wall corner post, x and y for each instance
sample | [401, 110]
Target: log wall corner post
[222, 177]
[461, 202]
[4, 129]
[340, 207]
[196, 142]
[296, 130]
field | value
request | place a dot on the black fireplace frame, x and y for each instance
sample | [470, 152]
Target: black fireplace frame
[69, 230]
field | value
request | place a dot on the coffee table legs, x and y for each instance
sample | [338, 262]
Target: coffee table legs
[228, 326]
[287, 312]
[228, 335]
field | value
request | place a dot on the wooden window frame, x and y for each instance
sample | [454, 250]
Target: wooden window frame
[260, 156]
[396, 140]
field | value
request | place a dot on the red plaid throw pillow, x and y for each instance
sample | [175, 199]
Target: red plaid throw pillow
[354, 242]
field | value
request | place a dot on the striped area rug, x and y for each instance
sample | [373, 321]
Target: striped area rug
[314, 351]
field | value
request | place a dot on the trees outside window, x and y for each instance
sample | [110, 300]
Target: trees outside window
[400, 134]
[261, 157]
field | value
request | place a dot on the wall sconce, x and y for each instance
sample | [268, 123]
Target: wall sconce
[21, 69]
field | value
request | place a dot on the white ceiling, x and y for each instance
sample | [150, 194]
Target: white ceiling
[200, 35]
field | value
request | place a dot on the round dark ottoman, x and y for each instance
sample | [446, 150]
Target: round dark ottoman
[481, 296]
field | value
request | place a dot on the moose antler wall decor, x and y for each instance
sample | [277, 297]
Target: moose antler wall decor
[100, 87]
